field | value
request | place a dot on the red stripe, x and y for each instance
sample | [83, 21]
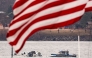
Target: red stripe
[65, 12]
[19, 3]
[50, 27]
[30, 5]
[69, 11]
[23, 17]
[12, 32]
[45, 7]
[32, 13]
[89, 9]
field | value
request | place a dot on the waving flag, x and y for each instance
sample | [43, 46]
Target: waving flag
[89, 6]
[31, 16]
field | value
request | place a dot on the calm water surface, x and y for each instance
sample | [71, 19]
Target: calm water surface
[48, 47]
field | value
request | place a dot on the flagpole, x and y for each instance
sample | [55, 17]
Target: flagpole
[78, 46]
[11, 52]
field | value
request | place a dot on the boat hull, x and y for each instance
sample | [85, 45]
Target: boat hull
[60, 55]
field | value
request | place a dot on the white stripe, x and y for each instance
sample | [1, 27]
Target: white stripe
[89, 4]
[34, 8]
[11, 38]
[15, 2]
[22, 7]
[18, 24]
[70, 5]
[45, 23]
[48, 11]
[58, 8]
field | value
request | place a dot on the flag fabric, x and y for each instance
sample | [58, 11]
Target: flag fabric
[31, 16]
[89, 6]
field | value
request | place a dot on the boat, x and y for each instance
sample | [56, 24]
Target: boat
[30, 54]
[63, 54]
[33, 54]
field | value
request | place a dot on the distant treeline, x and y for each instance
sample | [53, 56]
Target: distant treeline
[39, 36]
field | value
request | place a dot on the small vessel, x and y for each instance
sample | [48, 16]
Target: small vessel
[30, 54]
[33, 54]
[63, 54]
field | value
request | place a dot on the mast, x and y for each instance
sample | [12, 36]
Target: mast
[78, 46]
[11, 52]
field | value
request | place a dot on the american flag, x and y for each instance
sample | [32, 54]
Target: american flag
[31, 16]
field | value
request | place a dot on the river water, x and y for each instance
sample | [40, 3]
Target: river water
[48, 47]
